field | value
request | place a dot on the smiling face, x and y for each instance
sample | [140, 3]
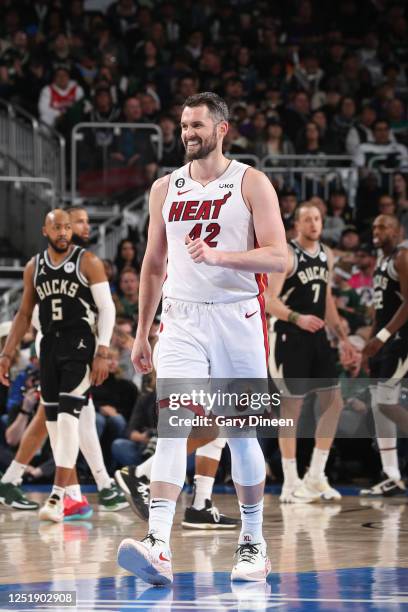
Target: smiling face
[199, 133]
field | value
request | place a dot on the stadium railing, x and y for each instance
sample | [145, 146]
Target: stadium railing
[97, 174]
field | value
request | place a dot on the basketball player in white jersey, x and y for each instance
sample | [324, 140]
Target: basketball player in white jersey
[206, 220]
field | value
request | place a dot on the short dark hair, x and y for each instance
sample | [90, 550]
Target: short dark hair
[217, 107]
[71, 209]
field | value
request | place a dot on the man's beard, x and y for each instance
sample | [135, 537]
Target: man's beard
[204, 150]
[56, 248]
[79, 241]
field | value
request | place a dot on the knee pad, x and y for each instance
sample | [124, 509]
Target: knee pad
[247, 461]
[67, 446]
[212, 450]
[170, 461]
[70, 404]
[384, 427]
[52, 434]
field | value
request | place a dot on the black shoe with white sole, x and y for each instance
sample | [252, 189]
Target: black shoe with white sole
[207, 518]
[386, 488]
[136, 490]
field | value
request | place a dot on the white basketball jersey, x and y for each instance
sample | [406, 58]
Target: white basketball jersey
[217, 213]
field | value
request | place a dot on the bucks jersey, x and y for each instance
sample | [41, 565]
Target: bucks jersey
[64, 297]
[387, 291]
[305, 288]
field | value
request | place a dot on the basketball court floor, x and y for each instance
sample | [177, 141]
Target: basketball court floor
[350, 556]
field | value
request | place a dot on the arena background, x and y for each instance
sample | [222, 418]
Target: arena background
[91, 94]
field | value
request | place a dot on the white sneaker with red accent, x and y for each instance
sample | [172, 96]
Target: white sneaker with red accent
[52, 510]
[148, 559]
[252, 562]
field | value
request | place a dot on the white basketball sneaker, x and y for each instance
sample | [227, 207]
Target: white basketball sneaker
[287, 490]
[149, 559]
[52, 510]
[321, 486]
[252, 562]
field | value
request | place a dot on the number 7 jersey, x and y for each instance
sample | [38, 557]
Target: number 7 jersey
[217, 213]
[63, 294]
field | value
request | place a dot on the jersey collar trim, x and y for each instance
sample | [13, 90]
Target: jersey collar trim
[209, 182]
[64, 261]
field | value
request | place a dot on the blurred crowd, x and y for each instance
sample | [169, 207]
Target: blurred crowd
[302, 77]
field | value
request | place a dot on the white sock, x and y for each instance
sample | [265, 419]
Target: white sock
[203, 486]
[74, 492]
[59, 492]
[91, 447]
[290, 473]
[14, 473]
[161, 515]
[389, 457]
[251, 517]
[318, 462]
[145, 468]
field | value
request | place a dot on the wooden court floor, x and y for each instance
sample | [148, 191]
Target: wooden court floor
[348, 556]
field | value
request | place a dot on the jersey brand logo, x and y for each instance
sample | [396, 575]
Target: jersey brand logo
[76, 411]
[302, 258]
[42, 271]
[226, 186]
[163, 558]
[81, 344]
[248, 316]
[179, 193]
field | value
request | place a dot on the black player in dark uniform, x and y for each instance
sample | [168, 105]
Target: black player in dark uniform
[301, 359]
[70, 287]
[387, 350]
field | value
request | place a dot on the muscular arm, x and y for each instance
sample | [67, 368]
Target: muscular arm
[155, 260]
[21, 322]
[401, 316]
[152, 275]
[273, 303]
[271, 254]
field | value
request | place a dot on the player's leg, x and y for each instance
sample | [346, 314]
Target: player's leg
[73, 380]
[110, 498]
[290, 408]
[202, 514]
[315, 480]
[235, 368]
[386, 430]
[32, 440]
[181, 349]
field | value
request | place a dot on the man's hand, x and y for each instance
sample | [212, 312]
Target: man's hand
[309, 323]
[371, 348]
[200, 252]
[100, 370]
[4, 370]
[142, 356]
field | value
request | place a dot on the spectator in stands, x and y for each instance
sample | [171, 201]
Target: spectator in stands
[173, 150]
[132, 148]
[362, 279]
[126, 256]
[346, 298]
[349, 240]
[129, 449]
[288, 203]
[110, 272]
[308, 74]
[56, 99]
[338, 205]
[309, 144]
[342, 122]
[128, 299]
[234, 142]
[60, 53]
[122, 341]
[114, 401]
[400, 185]
[397, 117]
[276, 143]
[386, 205]
[361, 132]
[393, 155]
[296, 116]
